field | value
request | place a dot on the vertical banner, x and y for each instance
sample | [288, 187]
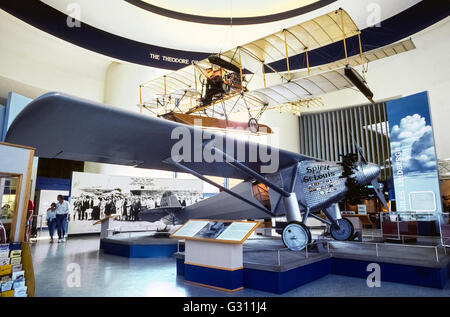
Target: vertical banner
[414, 163]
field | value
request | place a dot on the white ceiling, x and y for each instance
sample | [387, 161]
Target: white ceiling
[124, 19]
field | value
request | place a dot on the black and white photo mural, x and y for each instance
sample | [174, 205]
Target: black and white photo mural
[95, 196]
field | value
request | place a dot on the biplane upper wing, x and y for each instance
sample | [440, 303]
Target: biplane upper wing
[65, 127]
[370, 56]
[306, 36]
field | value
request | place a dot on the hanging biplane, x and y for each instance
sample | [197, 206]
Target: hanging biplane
[243, 80]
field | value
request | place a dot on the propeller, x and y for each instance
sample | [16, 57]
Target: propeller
[359, 149]
[377, 189]
[349, 164]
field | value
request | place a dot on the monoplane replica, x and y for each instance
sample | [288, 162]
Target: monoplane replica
[275, 182]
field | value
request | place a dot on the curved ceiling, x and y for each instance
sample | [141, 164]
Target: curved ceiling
[229, 8]
[230, 11]
[127, 20]
[120, 30]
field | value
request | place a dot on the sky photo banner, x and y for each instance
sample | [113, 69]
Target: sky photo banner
[414, 163]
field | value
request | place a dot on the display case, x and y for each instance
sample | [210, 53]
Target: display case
[15, 184]
[445, 229]
[400, 225]
[9, 203]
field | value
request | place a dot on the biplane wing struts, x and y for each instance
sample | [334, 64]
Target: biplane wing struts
[243, 79]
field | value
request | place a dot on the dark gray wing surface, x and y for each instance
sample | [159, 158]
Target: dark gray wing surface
[66, 127]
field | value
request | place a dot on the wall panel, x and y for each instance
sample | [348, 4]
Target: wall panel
[326, 135]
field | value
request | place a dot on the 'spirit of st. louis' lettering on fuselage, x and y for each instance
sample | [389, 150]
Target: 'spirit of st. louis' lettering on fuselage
[317, 169]
[318, 172]
[317, 177]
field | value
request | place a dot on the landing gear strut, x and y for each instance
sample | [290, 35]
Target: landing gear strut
[296, 236]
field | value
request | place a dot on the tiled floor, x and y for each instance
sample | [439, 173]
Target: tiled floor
[56, 267]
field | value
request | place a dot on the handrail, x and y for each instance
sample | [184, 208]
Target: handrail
[435, 247]
[376, 244]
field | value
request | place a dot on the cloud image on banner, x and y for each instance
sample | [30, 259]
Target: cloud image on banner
[414, 137]
[414, 163]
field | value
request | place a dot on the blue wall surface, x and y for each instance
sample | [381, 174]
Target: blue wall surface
[2, 119]
[16, 103]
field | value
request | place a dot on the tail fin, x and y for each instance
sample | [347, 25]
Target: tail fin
[169, 200]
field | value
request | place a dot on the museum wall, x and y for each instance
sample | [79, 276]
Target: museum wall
[36, 59]
[425, 68]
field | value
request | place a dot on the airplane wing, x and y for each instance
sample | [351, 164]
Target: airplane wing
[65, 127]
[301, 88]
[370, 56]
[308, 35]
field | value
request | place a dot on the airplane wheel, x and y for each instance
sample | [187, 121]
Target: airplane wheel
[345, 232]
[296, 236]
[253, 125]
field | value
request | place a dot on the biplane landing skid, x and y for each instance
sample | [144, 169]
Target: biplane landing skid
[219, 124]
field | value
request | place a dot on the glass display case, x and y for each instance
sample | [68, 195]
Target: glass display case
[8, 203]
[445, 228]
[398, 225]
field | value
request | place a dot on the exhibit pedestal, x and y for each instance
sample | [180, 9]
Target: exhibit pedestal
[106, 224]
[140, 245]
[214, 252]
[214, 264]
[271, 268]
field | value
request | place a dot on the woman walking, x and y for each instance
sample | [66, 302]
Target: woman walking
[51, 220]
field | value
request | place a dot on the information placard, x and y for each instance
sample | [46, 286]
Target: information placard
[226, 231]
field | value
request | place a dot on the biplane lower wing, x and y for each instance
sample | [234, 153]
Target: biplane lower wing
[302, 88]
[66, 127]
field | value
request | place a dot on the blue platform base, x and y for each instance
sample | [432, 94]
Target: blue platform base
[213, 277]
[391, 272]
[153, 250]
[281, 282]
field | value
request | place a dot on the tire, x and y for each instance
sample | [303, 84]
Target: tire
[346, 231]
[302, 242]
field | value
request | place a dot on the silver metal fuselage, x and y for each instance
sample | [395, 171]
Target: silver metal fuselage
[318, 185]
